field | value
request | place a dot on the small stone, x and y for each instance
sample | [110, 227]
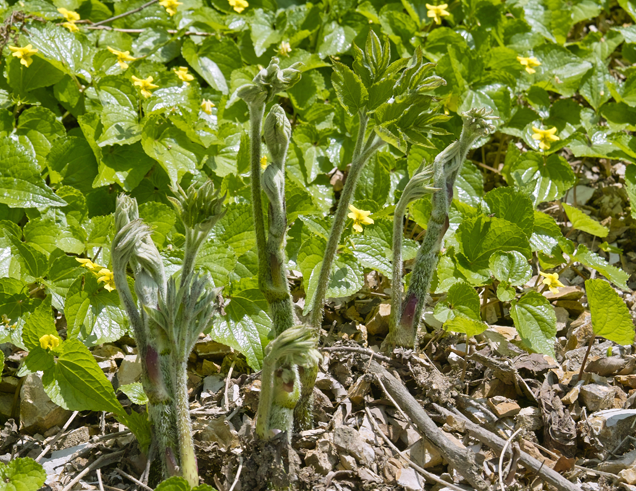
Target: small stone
[129, 371]
[410, 480]
[572, 396]
[628, 475]
[37, 412]
[208, 368]
[563, 317]
[348, 462]
[213, 383]
[211, 349]
[565, 293]
[6, 406]
[574, 307]
[74, 438]
[628, 380]
[9, 384]
[424, 454]
[379, 323]
[107, 352]
[502, 407]
[369, 476]
[611, 426]
[597, 397]
[359, 389]
[219, 430]
[529, 418]
[323, 458]
[347, 439]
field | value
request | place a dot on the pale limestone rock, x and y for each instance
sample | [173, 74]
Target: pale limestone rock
[129, 371]
[37, 412]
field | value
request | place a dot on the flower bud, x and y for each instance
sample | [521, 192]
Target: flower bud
[199, 208]
[269, 82]
[126, 211]
[277, 133]
[419, 185]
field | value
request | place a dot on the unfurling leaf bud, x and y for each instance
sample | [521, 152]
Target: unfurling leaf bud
[200, 207]
[277, 133]
[126, 211]
[419, 185]
[478, 122]
[269, 82]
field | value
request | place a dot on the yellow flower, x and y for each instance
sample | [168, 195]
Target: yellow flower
[551, 281]
[49, 341]
[239, 5]
[87, 263]
[145, 85]
[544, 137]
[70, 26]
[69, 15]
[437, 12]
[264, 162]
[24, 54]
[170, 6]
[106, 276]
[284, 49]
[207, 106]
[359, 217]
[529, 63]
[122, 57]
[182, 73]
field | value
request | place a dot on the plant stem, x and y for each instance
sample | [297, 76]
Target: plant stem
[256, 121]
[587, 353]
[396, 282]
[125, 14]
[187, 459]
[340, 218]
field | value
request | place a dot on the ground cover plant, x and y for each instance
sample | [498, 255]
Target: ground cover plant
[279, 195]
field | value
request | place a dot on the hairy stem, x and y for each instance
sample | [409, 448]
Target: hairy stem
[187, 459]
[256, 121]
[396, 283]
[337, 227]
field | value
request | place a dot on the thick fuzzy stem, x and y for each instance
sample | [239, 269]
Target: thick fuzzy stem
[337, 227]
[405, 320]
[256, 121]
[398, 232]
[187, 459]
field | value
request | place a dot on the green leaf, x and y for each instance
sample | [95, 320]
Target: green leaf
[245, 326]
[218, 259]
[135, 392]
[77, 383]
[35, 261]
[543, 180]
[39, 323]
[610, 316]
[580, 221]
[513, 206]
[462, 300]
[535, 321]
[120, 126]
[73, 162]
[630, 186]
[236, 229]
[349, 88]
[482, 236]
[373, 253]
[470, 327]
[347, 277]
[22, 474]
[545, 233]
[1, 362]
[161, 219]
[139, 424]
[39, 359]
[469, 185]
[170, 146]
[21, 185]
[510, 267]
[174, 484]
[61, 48]
[594, 261]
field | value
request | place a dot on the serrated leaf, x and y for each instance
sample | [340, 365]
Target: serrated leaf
[77, 383]
[39, 323]
[469, 185]
[236, 228]
[161, 219]
[510, 267]
[349, 88]
[545, 233]
[174, 484]
[372, 253]
[610, 316]
[482, 236]
[462, 300]
[245, 326]
[580, 221]
[507, 203]
[135, 392]
[22, 474]
[535, 321]
[21, 185]
[61, 48]
[594, 261]
[470, 327]
[120, 126]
